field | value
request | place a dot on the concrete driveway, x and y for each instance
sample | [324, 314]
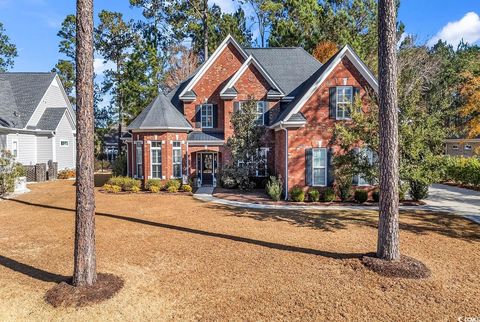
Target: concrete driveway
[456, 200]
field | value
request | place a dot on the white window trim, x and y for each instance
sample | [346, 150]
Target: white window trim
[206, 116]
[17, 150]
[467, 147]
[64, 146]
[266, 163]
[325, 167]
[178, 148]
[337, 102]
[264, 106]
[152, 149]
[359, 176]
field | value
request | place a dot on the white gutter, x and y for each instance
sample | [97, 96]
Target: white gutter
[27, 131]
[286, 163]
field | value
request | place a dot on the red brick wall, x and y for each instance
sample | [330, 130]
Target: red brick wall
[167, 151]
[212, 82]
[319, 128]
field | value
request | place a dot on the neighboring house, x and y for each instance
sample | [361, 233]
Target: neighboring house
[462, 147]
[37, 122]
[110, 145]
[299, 102]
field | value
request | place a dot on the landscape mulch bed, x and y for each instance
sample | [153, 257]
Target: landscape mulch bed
[258, 196]
[67, 295]
[406, 267]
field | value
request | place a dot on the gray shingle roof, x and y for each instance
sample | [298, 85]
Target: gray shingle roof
[27, 90]
[289, 67]
[9, 114]
[205, 136]
[160, 114]
[230, 91]
[297, 117]
[50, 118]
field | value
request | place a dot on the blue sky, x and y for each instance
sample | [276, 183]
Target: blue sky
[33, 24]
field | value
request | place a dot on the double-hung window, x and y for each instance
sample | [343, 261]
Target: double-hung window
[365, 154]
[15, 148]
[156, 159]
[139, 159]
[177, 159]
[319, 167]
[261, 108]
[207, 115]
[344, 102]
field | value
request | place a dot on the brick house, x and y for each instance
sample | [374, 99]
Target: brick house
[183, 134]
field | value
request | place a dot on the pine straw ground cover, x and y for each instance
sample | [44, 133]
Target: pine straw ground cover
[182, 259]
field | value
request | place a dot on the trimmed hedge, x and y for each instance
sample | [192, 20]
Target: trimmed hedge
[297, 194]
[360, 196]
[329, 195]
[464, 171]
[127, 184]
[314, 195]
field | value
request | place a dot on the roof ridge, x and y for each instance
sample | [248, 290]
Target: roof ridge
[43, 73]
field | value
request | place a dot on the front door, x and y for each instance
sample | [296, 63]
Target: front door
[207, 169]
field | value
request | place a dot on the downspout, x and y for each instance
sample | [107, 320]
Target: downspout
[188, 163]
[286, 163]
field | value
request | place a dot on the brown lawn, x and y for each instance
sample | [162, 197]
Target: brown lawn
[182, 259]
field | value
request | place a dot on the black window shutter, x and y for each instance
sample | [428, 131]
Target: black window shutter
[330, 170]
[198, 116]
[308, 167]
[333, 102]
[266, 114]
[356, 177]
[356, 92]
[215, 115]
[236, 106]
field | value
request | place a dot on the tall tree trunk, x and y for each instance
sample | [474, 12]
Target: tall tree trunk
[84, 271]
[388, 246]
[205, 29]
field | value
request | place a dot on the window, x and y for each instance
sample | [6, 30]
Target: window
[207, 116]
[156, 158]
[261, 109]
[319, 165]
[365, 154]
[467, 147]
[455, 147]
[262, 170]
[15, 148]
[64, 143]
[177, 159]
[344, 102]
[138, 159]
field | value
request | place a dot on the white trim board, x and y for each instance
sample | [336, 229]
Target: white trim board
[229, 39]
[242, 70]
[354, 59]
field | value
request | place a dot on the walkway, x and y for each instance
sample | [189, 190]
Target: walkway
[442, 198]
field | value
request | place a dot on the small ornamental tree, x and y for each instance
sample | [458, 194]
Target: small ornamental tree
[244, 145]
[9, 172]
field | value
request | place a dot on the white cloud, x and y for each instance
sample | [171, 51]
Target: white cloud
[467, 28]
[227, 6]
[99, 66]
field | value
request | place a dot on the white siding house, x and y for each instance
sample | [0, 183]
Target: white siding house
[37, 121]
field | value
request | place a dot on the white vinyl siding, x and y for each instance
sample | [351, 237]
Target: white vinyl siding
[344, 102]
[25, 145]
[156, 159]
[177, 159]
[44, 149]
[65, 154]
[319, 167]
[3, 141]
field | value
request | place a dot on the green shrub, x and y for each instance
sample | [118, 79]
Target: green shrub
[361, 196]
[297, 194]
[376, 195]
[157, 183]
[187, 188]
[418, 190]
[274, 188]
[403, 189]
[329, 195]
[173, 183]
[232, 177]
[314, 195]
[116, 189]
[172, 189]
[126, 183]
[460, 170]
[107, 187]
[9, 172]
[344, 190]
[154, 189]
[119, 166]
[101, 165]
[135, 189]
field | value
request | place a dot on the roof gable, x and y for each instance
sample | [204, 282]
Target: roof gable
[27, 89]
[203, 69]
[317, 79]
[229, 89]
[50, 119]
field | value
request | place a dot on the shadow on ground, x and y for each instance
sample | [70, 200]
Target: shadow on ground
[418, 222]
